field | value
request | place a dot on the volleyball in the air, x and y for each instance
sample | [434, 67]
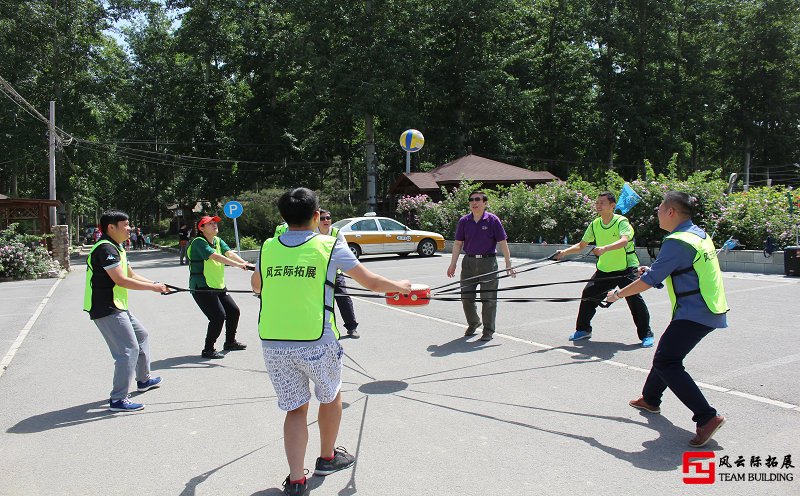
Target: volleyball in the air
[411, 140]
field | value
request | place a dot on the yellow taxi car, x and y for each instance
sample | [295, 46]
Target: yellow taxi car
[372, 235]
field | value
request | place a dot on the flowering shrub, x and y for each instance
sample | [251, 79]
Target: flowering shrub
[410, 206]
[751, 216]
[554, 210]
[23, 256]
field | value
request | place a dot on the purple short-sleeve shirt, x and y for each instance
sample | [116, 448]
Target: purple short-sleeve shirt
[480, 238]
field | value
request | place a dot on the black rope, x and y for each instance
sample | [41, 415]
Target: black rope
[176, 289]
[553, 262]
[601, 302]
[527, 286]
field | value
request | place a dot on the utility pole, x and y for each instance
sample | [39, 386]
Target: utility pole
[52, 128]
[747, 147]
[369, 129]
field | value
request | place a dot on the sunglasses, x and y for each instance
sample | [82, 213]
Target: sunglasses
[324, 218]
[477, 198]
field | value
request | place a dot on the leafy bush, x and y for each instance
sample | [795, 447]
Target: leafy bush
[409, 208]
[249, 243]
[554, 210]
[751, 216]
[24, 256]
[261, 215]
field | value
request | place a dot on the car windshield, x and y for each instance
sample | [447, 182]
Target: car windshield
[339, 223]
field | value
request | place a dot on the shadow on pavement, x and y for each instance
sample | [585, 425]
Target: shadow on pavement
[605, 350]
[458, 345]
[661, 454]
[74, 415]
[92, 412]
[184, 362]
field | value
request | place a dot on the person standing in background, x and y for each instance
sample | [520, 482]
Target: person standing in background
[479, 233]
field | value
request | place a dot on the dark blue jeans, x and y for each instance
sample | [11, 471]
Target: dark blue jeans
[680, 337]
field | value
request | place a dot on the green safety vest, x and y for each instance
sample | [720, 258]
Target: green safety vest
[706, 265]
[213, 271]
[120, 294]
[293, 281]
[614, 260]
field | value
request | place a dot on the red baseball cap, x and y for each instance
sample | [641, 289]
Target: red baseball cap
[206, 220]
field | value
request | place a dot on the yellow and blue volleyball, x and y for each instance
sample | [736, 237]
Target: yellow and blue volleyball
[411, 140]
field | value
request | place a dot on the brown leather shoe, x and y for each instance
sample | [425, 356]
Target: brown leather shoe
[486, 337]
[471, 331]
[705, 432]
[641, 404]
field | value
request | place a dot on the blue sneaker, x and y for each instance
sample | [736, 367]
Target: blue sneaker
[124, 405]
[648, 342]
[149, 384]
[578, 335]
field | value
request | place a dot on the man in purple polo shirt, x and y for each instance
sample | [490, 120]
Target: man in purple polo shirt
[479, 233]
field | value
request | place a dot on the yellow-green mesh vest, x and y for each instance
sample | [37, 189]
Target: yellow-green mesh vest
[120, 294]
[293, 281]
[213, 271]
[614, 260]
[706, 265]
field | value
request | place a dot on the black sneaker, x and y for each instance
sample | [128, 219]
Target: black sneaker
[341, 460]
[234, 346]
[353, 334]
[212, 353]
[294, 489]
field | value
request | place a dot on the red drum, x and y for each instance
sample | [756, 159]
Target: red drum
[419, 296]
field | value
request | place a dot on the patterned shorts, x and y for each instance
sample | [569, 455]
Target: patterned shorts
[290, 369]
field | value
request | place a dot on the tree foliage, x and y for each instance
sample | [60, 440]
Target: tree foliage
[185, 100]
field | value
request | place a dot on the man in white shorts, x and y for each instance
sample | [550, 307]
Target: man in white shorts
[295, 276]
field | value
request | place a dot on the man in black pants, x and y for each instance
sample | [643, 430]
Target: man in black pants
[617, 265]
[343, 300]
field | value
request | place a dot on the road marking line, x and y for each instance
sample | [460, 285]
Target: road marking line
[713, 387]
[25, 330]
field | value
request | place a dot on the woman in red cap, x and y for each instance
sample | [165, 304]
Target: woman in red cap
[208, 255]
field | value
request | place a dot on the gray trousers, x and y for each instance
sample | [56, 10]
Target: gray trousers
[472, 267]
[129, 344]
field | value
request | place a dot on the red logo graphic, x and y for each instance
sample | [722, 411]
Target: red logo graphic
[703, 472]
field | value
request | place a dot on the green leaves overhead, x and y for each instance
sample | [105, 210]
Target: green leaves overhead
[201, 99]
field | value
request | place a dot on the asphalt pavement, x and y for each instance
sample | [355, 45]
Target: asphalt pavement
[427, 411]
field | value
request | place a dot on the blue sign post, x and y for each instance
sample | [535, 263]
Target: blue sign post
[233, 209]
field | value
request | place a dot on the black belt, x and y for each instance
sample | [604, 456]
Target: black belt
[491, 255]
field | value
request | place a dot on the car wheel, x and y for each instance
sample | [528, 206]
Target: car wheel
[355, 249]
[403, 254]
[426, 247]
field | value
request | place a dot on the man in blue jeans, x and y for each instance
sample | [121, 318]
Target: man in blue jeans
[687, 263]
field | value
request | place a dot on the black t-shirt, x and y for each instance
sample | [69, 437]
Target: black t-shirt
[183, 234]
[104, 257]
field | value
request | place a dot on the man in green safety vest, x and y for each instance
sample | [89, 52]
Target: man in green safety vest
[108, 279]
[295, 277]
[687, 263]
[617, 266]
